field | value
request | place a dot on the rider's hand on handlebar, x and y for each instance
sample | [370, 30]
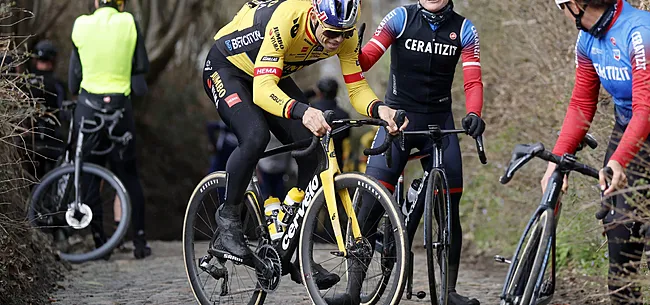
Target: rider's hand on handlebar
[314, 120]
[388, 114]
[547, 176]
[473, 124]
[619, 180]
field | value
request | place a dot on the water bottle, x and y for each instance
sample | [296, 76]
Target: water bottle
[414, 191]
[411, 199]
[291, 203]
[272, 209]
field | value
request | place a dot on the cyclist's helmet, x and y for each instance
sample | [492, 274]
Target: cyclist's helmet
[329, 87]
[112, 3]
[337, 13]
[45, 50]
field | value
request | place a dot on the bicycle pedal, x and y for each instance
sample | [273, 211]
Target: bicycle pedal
[421, 295]
[501, 259]
[216, 272]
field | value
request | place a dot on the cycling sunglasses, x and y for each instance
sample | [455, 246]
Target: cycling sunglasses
[336, 33]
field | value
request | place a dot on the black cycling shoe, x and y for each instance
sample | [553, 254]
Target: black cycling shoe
[343, 299]
[229, 235]
[352, 296]
[457, 299]
[323, 278]
[100, 240]
[141, 250]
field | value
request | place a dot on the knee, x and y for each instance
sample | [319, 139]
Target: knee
[254, 144]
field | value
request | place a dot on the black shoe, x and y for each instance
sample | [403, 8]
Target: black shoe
[343, 299]
[229, 236]
[141, 250]
[323, 278]
[356, 275]
[100, 240]
[457, 299]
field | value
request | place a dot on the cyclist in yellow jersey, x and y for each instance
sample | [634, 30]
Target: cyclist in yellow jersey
[246, 75]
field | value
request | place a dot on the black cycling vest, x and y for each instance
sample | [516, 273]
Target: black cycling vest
[423, 64]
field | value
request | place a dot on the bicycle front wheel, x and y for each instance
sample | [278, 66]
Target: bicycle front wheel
[317, 246]
[528, 265]
[437, 232]
[81, 231]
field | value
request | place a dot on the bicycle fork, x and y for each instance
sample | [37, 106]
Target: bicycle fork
[327, 179]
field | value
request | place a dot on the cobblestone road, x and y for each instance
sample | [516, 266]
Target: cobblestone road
[161, 279]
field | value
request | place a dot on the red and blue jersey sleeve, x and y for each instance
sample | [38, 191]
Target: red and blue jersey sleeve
[471, 57]
[390, 28]
[584, 101]
[639, 127]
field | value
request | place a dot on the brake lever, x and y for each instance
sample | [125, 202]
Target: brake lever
[605, 207]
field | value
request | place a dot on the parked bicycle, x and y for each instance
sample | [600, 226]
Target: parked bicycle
[531, 276]
[437, 219]
[70, 201]
[329, 205]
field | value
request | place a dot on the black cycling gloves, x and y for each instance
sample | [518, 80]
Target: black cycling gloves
[473, 124]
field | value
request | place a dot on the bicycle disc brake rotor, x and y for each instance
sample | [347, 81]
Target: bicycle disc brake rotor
[269, 275]
[361, 249]
[79, 219]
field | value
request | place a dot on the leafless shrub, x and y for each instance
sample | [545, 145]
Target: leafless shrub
[27, 264]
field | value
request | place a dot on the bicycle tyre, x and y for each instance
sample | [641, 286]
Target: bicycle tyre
[437, 199]
[522, 269]
[532, 287]
[206, 186]
[351, 181]
[107, 176]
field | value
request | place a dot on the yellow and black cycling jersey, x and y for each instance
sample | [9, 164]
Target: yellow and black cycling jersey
[270, 40]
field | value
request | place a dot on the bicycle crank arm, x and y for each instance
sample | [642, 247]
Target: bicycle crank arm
[501, 259]
[224, 256]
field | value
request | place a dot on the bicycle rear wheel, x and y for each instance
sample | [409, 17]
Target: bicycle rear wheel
[381, 273]
[437, 230]
[237, 283]
[81, 234]
[523, 284]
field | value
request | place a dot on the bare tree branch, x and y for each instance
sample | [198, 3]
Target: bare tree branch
[47, 20]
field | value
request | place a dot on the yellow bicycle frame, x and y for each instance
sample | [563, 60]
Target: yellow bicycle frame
[327, 179]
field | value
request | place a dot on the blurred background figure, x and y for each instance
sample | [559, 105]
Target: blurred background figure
[271, 172]
[222, 143]
[324, 98]
[42, 85]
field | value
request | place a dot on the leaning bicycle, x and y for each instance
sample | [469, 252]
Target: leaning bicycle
[437, 218]
[531, 276]
[323, 228]
[70, 202]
